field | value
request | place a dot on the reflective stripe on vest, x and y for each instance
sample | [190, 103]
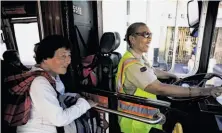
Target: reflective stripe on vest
[137, 109]
[132, 108]
[120, 80]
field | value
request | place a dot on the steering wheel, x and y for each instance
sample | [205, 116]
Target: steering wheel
[198, 80]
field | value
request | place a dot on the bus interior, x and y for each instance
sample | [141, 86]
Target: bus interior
[187, 41]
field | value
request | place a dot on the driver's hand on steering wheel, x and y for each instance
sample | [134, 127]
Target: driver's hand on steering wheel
[175, 77]
[216, 91]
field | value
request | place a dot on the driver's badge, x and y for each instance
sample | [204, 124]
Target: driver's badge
[143, 69]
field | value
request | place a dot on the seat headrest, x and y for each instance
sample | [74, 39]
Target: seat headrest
[109, 42]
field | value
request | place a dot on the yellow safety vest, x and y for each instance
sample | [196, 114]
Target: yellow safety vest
[128, 125]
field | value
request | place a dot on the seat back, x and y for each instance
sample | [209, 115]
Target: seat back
[109, 60]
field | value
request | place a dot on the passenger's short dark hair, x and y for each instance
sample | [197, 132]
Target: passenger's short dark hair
[131, 30]
[47, 47]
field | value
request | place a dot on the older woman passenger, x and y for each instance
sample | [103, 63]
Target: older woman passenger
[53, 57]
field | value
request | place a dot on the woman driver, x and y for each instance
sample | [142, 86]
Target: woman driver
[136, 77]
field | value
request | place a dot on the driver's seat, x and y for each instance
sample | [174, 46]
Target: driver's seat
[109, 60]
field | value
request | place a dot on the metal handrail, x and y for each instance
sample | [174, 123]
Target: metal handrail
[141, 100]
[129, 98]
[158, 120]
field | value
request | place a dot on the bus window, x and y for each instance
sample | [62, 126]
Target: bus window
[173, 49]
[115, 20]
[215, 62]
[2, 46]
[26, 36]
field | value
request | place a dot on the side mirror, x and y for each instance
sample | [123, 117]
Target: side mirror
[193, 13]
[194, 32]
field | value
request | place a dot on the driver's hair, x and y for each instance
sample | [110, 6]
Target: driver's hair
[131, 30]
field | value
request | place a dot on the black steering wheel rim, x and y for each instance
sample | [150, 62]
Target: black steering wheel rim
[205, 77]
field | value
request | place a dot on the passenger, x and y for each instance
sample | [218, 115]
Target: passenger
[52, 56]
[136, 77]
[13, 63]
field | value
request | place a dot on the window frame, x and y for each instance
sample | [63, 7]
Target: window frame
[203, 16]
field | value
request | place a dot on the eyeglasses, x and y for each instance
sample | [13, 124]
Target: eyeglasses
[144, 34]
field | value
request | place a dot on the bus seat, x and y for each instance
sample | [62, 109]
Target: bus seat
[109, 60]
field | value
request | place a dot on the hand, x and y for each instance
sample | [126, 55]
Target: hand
[163, 120]
[69, 101]
[92, 103]
[216, 91]
[76, 95]
[175, 77]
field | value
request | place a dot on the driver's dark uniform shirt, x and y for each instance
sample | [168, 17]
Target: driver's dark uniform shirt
[136, 76]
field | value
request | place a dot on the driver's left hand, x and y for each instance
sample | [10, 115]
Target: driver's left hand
[175, 77]
[216, 92]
